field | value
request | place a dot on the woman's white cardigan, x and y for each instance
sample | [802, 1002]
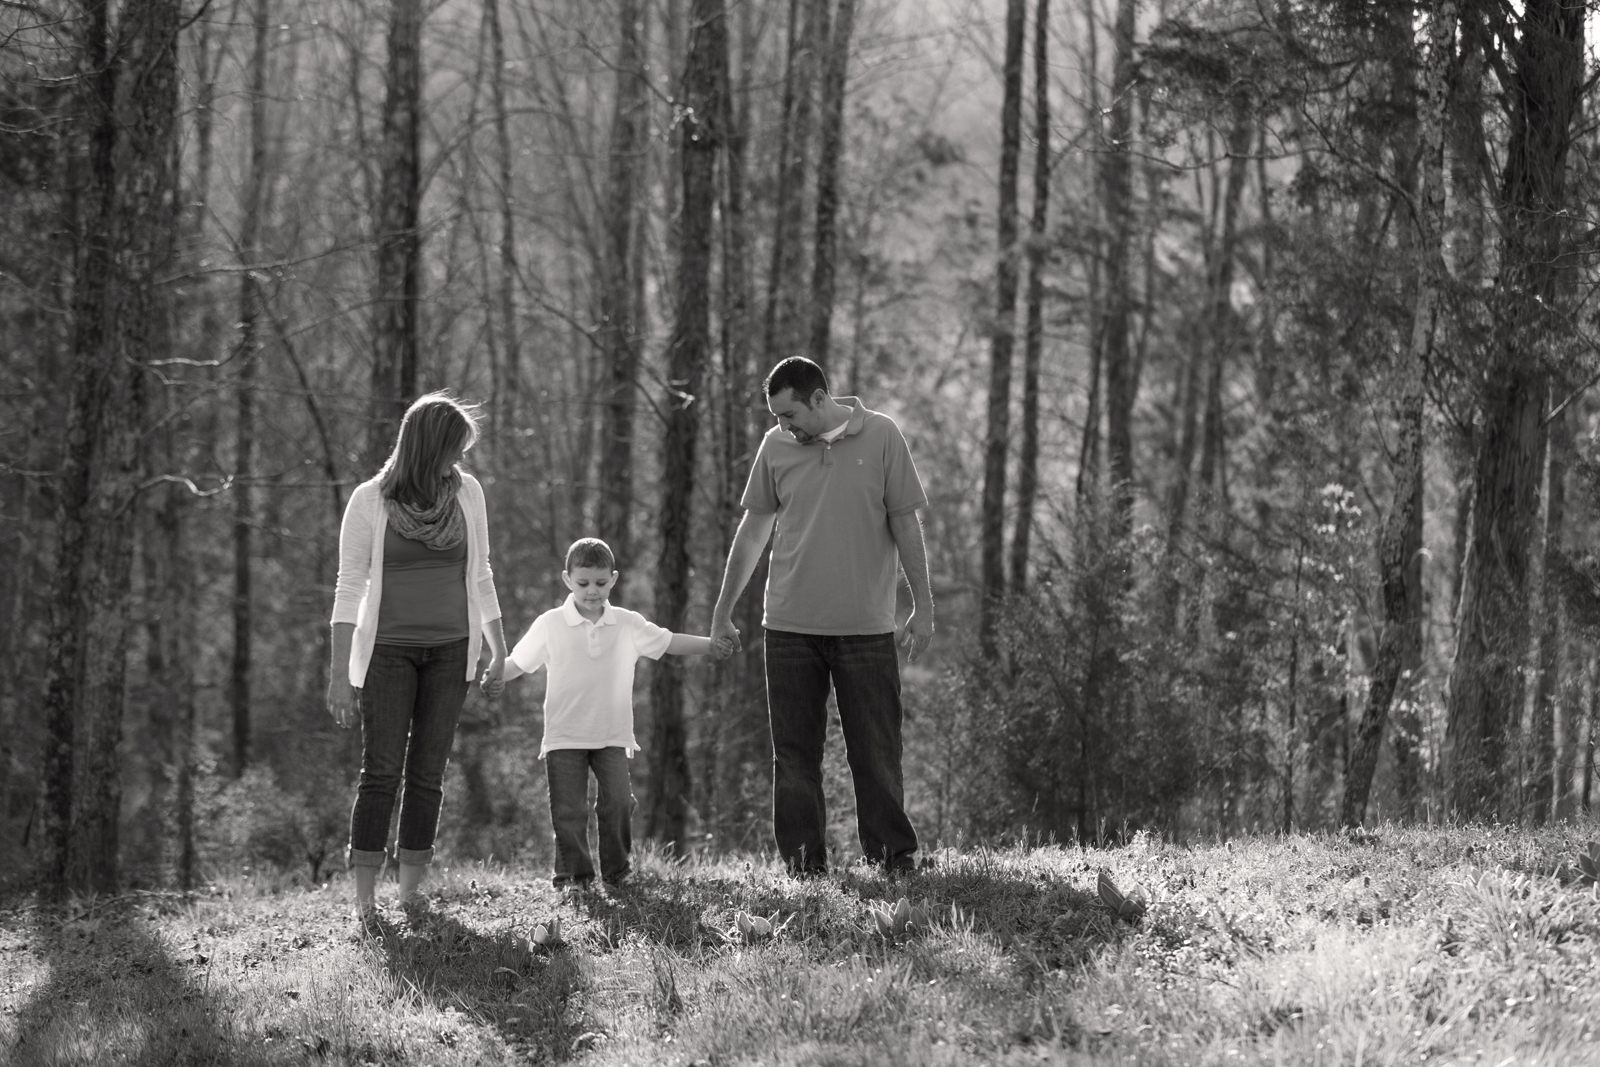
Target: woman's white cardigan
[360, 588]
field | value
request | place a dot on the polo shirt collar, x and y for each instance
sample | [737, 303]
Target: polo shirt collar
[573, 617]
[851, 425]
[858, 415]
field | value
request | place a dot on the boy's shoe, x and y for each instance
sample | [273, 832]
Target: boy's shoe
[576, 889]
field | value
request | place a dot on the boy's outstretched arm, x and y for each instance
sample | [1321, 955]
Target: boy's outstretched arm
[494, 687]
[688, 645]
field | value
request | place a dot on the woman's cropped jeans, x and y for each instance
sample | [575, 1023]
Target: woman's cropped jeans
[410, 703]
[864, 674]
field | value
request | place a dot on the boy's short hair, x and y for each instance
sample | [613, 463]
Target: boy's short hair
[799, 374]
[590, 552]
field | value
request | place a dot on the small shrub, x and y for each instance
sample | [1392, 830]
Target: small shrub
[252, 820]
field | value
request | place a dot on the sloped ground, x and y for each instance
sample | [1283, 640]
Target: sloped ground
[1406, 946]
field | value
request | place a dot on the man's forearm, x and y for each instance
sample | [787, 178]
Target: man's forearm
[743, 555]
[907, 533]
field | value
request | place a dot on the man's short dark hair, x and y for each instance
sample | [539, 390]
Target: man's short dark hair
[590, 552]
[799, 374]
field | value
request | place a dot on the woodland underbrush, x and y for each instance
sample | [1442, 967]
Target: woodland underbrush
[1403, 945]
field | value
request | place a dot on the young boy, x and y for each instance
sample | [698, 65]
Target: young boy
[589, 649]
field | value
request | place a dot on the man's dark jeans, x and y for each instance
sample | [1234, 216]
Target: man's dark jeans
[865, 675]
[410, 702]
[567, 770]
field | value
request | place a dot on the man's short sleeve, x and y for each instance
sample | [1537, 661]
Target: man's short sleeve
[533, 651]
[649, 640]
[761, 491]
[902, 489]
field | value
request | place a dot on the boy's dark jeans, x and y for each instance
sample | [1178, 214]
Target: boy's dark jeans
[865, 675]
[410, 702]
[567, 770]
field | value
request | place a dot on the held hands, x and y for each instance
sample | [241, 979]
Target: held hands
[492, 681]
[916, 634]
[342, 701]
[724, 639]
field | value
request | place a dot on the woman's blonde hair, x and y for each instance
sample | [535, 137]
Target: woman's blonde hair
[433, 427]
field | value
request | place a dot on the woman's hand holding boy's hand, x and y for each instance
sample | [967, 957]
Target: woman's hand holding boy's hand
[341, 700]
[493, 681]
[724, 646]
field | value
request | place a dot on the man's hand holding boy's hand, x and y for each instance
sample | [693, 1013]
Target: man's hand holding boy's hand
[724, 638]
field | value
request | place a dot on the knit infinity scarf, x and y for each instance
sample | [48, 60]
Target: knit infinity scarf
[439, 527]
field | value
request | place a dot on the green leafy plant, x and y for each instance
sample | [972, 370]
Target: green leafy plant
[753, 928]
[902, 921]
[547, 934]
[1130, 905]
[1589, 865]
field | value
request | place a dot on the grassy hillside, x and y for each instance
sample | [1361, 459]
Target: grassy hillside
[1407, 946]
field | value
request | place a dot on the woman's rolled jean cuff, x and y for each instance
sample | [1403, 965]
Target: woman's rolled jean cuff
[360, 857]
[416, 857]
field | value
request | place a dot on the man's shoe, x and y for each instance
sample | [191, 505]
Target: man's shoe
[909, 864]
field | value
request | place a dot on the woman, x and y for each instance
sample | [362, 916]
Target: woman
[415, 595]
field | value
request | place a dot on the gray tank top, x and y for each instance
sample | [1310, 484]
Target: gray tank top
[424, 599]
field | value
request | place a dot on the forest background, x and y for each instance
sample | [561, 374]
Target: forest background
[1260, 451]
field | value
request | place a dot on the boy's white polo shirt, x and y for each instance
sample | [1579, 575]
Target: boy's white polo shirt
[588, 699]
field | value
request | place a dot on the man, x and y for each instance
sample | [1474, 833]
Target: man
[837, 484]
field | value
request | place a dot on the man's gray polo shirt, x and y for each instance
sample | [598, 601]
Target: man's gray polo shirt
[834, 564]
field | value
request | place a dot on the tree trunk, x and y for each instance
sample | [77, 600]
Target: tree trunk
[394, 365]
[506, 377]
[741, 681]
[690, 349]
[1557, 682]
[829, 150]
[1543, 97]
[1122, 386]
[170, 653]
[1408, 732]
[1399, 599]
[620, 338]
[1587, 711]
[998, 438]
[1541, 781]
[783, 333]
[119, 306]
[247, 353]
[1208, 359]
[1033, 336]
[1088, 478]
[91, 213]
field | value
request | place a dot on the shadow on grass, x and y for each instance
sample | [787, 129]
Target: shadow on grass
[1047, 923]
[1044, 922]
[113, 994]
[666, 913]
[525, 993]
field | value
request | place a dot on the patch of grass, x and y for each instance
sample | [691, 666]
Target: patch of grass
[1459, 945]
